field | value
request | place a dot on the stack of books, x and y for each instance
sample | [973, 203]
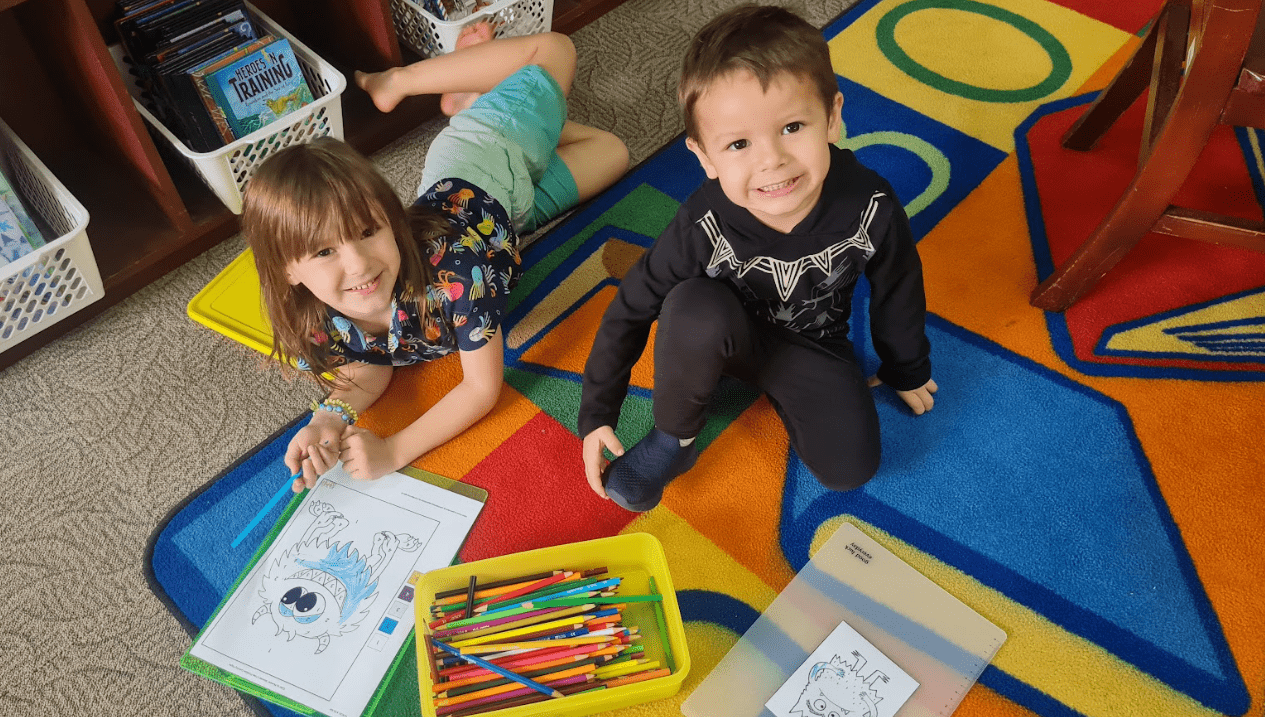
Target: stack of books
[18, 233]
[205, 70]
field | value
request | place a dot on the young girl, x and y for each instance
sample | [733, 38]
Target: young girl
[355, 284]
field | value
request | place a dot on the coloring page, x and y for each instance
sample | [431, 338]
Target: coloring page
[845, 676]
[322, 615]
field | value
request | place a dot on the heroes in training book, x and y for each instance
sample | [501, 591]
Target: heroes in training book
[260, 88]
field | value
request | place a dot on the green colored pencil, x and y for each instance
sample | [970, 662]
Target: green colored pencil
[663, 628]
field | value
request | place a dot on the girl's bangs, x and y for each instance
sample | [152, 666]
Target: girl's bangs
[329, 214]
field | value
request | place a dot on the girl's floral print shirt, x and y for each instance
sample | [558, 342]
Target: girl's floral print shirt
[473, 272]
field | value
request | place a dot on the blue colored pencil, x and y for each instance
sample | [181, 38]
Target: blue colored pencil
[276, 498]
[542, 689]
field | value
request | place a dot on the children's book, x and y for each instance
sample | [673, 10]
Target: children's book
[260, 88]
[323, 615]
[34, 238]
[198, 79]
[844, 675]
[13, 244]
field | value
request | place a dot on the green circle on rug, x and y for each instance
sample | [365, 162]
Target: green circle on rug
[1060, 60]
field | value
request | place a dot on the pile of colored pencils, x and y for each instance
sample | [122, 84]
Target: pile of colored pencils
[532, 638]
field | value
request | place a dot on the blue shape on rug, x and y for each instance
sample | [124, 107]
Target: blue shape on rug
[1058, 509]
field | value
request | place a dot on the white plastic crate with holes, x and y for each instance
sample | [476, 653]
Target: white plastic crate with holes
[57, 279]
[227, 170]
[430, 36]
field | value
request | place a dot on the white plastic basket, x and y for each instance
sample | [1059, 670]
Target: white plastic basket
[429, 36]
[227, 170]
[59, 278]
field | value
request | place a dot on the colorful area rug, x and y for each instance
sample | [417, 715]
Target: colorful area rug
[1090, 481]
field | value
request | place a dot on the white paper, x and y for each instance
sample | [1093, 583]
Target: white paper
[845, 675]
[324, 612]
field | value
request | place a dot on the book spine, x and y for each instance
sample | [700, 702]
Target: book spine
[213, 108]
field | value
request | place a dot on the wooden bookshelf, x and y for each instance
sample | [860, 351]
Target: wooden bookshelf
[62, 94]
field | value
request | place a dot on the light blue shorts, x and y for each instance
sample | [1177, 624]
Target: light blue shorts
[506, 143]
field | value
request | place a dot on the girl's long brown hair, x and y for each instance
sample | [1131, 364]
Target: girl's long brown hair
[309, 196]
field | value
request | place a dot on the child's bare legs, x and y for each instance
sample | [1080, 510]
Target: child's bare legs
[474, 68]
[453, 102]
[596, 158]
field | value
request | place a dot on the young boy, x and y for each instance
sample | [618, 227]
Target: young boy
[754, 276]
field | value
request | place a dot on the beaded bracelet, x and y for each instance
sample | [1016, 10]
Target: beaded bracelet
[338, 407]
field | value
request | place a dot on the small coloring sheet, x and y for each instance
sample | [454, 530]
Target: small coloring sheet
[845, 676]
[322, 615]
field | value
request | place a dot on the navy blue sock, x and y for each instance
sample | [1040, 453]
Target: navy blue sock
[635, 480]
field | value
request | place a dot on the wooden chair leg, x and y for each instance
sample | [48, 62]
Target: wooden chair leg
[1178, 146]
[1210, 76]
[1118, 96]
[1166, 73]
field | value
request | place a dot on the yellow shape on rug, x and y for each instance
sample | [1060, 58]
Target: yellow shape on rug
[966, 48]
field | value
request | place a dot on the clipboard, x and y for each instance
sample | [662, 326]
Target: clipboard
[399, 684]
[930, 634]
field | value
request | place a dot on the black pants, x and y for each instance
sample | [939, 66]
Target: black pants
[822, 398]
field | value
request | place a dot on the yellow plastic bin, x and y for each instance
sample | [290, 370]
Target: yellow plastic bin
[636, 557]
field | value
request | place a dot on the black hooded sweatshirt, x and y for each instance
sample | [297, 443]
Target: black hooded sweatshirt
[801, 281]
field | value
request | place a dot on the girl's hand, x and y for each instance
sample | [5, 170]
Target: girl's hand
[314, 449]
[595, 460]
[365, 456]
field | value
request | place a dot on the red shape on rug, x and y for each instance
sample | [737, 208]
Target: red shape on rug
[537, 495]
[1128, 16]
[1161, 273]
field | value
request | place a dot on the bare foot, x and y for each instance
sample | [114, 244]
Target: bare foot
[453, 102]
[378, 85]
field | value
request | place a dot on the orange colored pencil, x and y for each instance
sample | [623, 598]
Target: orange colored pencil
[637, 677]
[510, 687]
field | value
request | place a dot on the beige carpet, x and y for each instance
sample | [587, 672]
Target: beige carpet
[111, 426]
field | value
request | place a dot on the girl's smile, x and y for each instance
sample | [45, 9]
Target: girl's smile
[355, 277]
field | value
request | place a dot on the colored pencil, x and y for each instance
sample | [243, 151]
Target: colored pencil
[496, 687]
[498, 584]
[574, 621]
[530, 588]
[446, 609]
[276, 498]
[569, 591]
[493, 699]
[490, 678]
[528, 661]
[513, 622]
[499, 670]
[637, 677]
[615, 599]
[485, 591]
[524, 700]
[625, 668]
[430, 648]
[661, 623]
[470, 597]
[501, 647]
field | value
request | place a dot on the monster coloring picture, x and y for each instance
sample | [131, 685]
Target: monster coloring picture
[845, 676]
[321, 616]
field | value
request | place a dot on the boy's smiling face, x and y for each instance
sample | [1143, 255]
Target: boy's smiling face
[770, 149]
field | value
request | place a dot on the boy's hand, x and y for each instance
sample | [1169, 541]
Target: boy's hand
[314, 449]
[365, 456]
[595, 460]
[919, 400]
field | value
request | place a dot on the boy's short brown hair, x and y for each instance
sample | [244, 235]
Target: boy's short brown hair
[765, 41]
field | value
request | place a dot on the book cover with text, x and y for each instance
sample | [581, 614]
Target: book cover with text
[260, 88]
